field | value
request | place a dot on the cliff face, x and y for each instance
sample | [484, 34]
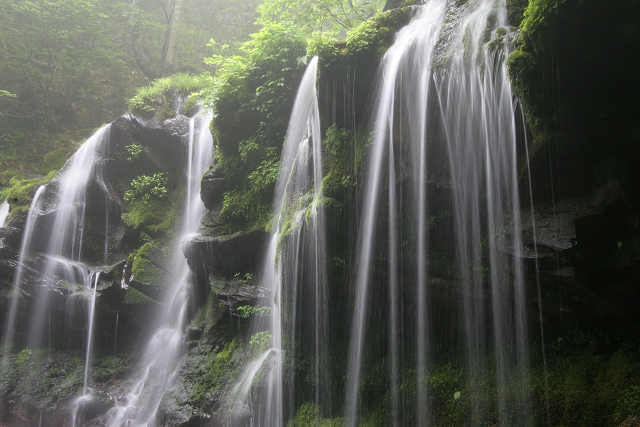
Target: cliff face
[577, 91]
[581, 140]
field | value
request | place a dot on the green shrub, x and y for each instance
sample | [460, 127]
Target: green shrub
[260, 342]
[249, 311]
[149, 99]
[148, 205]
[147, 187]
[134, 151]
[218, 371]
[145, 262]
[21, 190]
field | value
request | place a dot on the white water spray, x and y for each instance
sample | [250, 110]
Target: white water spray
[4, 213]
[297, 247]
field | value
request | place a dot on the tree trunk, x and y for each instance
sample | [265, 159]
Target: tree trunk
[171, 39]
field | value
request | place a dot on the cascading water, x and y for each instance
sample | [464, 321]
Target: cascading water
[59, 211]
[27, 236]
[66, 244]
[406, 63]
[479, 121]
[294, 268]
[92, 289]
[161, 359]
[445, 112]
[4, 212]
[62, 251]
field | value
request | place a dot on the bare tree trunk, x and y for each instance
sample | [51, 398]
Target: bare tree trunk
[171, 42]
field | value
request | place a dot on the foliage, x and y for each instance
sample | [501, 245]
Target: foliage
[69, 64]
[591, 389]
[217, 372]
[42, 153]
[37, 375]
[149, 99]
[249, 311]
[148, 205]
[144, 188]
[134, 151]
[152, 216]
[45, 62]
[134, 296]
[108, 367]
[515, 10]
[260, 342]
[244, 278]
[330, 16]
[251, 95]
[144, 265]
[21, 191]
[525, 62]
[371, 37]
[308, 415]
[24, 357]
[445, 384]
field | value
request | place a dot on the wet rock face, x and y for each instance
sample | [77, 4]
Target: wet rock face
[236, 293]
[163, 149]
[212, 188]
[225, 256]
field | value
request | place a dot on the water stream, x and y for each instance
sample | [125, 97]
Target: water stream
[4, 213]
[445, 122]
[295, 268]
[160, 361]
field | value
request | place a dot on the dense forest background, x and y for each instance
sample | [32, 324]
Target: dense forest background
[66, 66]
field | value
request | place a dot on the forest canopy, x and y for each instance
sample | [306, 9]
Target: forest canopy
[66, 66]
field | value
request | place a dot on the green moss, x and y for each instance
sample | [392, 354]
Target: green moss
[241, 211]
[530, 63]
[107, 368]
[21, 191]
[515, 11]
[260, 342]
[155, 215]
[149, 207]
[145, 262]
[368, 41]
[628, 405]
[218, 371]
[157, 97]
[308, 415]
[134, 296]
[377, 33]
[32, 153]
[252, 96]
[249, 311]
[134, 151]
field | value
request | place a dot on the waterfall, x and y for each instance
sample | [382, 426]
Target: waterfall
[66, 243]
[27, 236]
[93, 287]
[409, 58]
[295, 268]
[160, 361]
[445, 121]
[53, 240]
[4, 213]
